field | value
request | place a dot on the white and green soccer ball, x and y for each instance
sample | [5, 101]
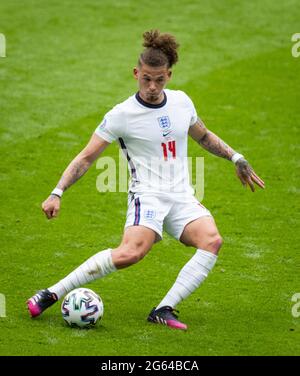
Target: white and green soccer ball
[82, 308]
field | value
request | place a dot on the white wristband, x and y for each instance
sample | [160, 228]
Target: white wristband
[236, 157]
[57, 192]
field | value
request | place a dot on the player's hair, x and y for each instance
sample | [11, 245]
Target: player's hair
[161, 49]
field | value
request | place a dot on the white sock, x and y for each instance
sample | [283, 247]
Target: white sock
[189, 278]
[95, 267]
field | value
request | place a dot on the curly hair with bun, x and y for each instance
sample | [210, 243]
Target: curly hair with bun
[160, 49]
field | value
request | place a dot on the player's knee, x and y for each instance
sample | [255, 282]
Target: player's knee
[214, 244]
[134, 256]
[133, 252]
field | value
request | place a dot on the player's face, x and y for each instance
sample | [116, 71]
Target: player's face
[152, 81]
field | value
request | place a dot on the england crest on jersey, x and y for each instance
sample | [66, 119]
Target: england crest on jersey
[149, 214]
[164, 122]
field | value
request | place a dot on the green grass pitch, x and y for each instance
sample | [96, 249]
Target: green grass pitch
[68, 62]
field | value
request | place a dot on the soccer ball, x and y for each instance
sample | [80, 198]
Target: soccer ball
[82, 308]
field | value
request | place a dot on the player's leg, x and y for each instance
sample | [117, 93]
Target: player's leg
[136, 243]
[192, 224]
[202, 234]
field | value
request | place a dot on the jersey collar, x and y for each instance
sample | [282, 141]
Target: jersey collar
[149, 105]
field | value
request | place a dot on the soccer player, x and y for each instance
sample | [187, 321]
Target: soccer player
[152, 128]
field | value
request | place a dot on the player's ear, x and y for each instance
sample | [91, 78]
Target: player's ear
[135, 72]
[169, 74]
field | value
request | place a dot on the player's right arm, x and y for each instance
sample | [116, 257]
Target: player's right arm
[79, 165]
[215, 145]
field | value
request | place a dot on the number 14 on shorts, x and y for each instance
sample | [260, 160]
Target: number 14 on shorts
[169, 148]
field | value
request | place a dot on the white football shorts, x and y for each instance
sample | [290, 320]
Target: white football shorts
[169, 212]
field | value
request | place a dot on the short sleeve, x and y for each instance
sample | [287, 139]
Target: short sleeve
[112, 125]
[194, 116]
[191, 108]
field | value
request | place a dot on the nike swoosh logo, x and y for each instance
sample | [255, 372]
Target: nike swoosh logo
[166, 133]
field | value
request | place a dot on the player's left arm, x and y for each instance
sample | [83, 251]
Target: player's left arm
[212, 143]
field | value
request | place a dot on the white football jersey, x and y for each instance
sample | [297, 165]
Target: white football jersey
[154, 140]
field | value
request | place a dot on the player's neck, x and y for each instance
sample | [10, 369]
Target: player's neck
[161, 101]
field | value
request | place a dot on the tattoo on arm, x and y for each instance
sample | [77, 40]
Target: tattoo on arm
[215, 145]
[73, 172]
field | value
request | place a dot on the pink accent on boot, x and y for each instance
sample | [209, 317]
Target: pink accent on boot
[176, 324]
[33, 308]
